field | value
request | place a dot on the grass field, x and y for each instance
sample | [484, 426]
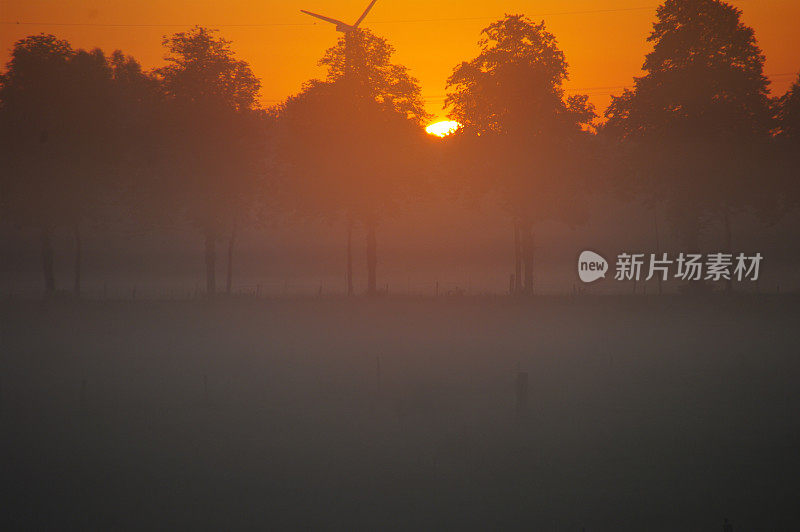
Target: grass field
[644, 413]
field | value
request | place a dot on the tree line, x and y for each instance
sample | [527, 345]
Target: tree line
[87, 136]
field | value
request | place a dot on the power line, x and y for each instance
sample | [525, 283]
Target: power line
[585, 12]
[271, 24]
[289, 24]
[601, 90]
[136, 25]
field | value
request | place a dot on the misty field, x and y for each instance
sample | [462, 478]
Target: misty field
[644, 413]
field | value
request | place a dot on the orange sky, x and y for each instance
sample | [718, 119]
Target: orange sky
[604, 40]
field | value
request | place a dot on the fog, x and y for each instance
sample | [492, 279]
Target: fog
[465, 246]
[656, 413]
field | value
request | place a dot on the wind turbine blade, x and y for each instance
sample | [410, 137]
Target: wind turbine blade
[326, 19]
[364, 14]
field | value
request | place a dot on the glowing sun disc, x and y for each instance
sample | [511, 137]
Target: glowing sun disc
[443, 128]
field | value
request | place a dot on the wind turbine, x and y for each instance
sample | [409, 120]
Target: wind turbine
[342, 26]
[345, 28]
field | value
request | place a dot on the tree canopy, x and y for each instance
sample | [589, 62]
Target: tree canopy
[522, 136]
[63, 117]
[351, 144]
[370, 73]
[214, 134]
[696, 122]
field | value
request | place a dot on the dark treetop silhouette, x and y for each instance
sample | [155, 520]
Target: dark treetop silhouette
[63, 120]
[215, 136]
[788, 147]
[521, 135]
[694, 128]
[352, 142]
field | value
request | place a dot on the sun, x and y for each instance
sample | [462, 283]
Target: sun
[443, 128]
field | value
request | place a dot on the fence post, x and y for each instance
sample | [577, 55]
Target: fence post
[378, 375]
[522, 393]
[82, 398]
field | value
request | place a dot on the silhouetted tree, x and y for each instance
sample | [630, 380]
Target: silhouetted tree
[214, 134]
[32, 180]
[788, 144]
[148, 191]
[352, 142]
[372, 75]
[521, 136]
[60, 125]
[789, 112]
[696, 124]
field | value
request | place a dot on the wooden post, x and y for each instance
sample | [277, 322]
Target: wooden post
[378, 375]
[522, 393]
[658, 250]
[82, 399]
[348, 275]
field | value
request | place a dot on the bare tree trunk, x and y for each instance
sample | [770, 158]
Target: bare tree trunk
[78, 251]
[231, 242]
[47, 261]
[517, 259]
[691, 239]
[349, 273]
[372, 260]
[211, 257]
[527, 257]
[726, 218]
[658, 248]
